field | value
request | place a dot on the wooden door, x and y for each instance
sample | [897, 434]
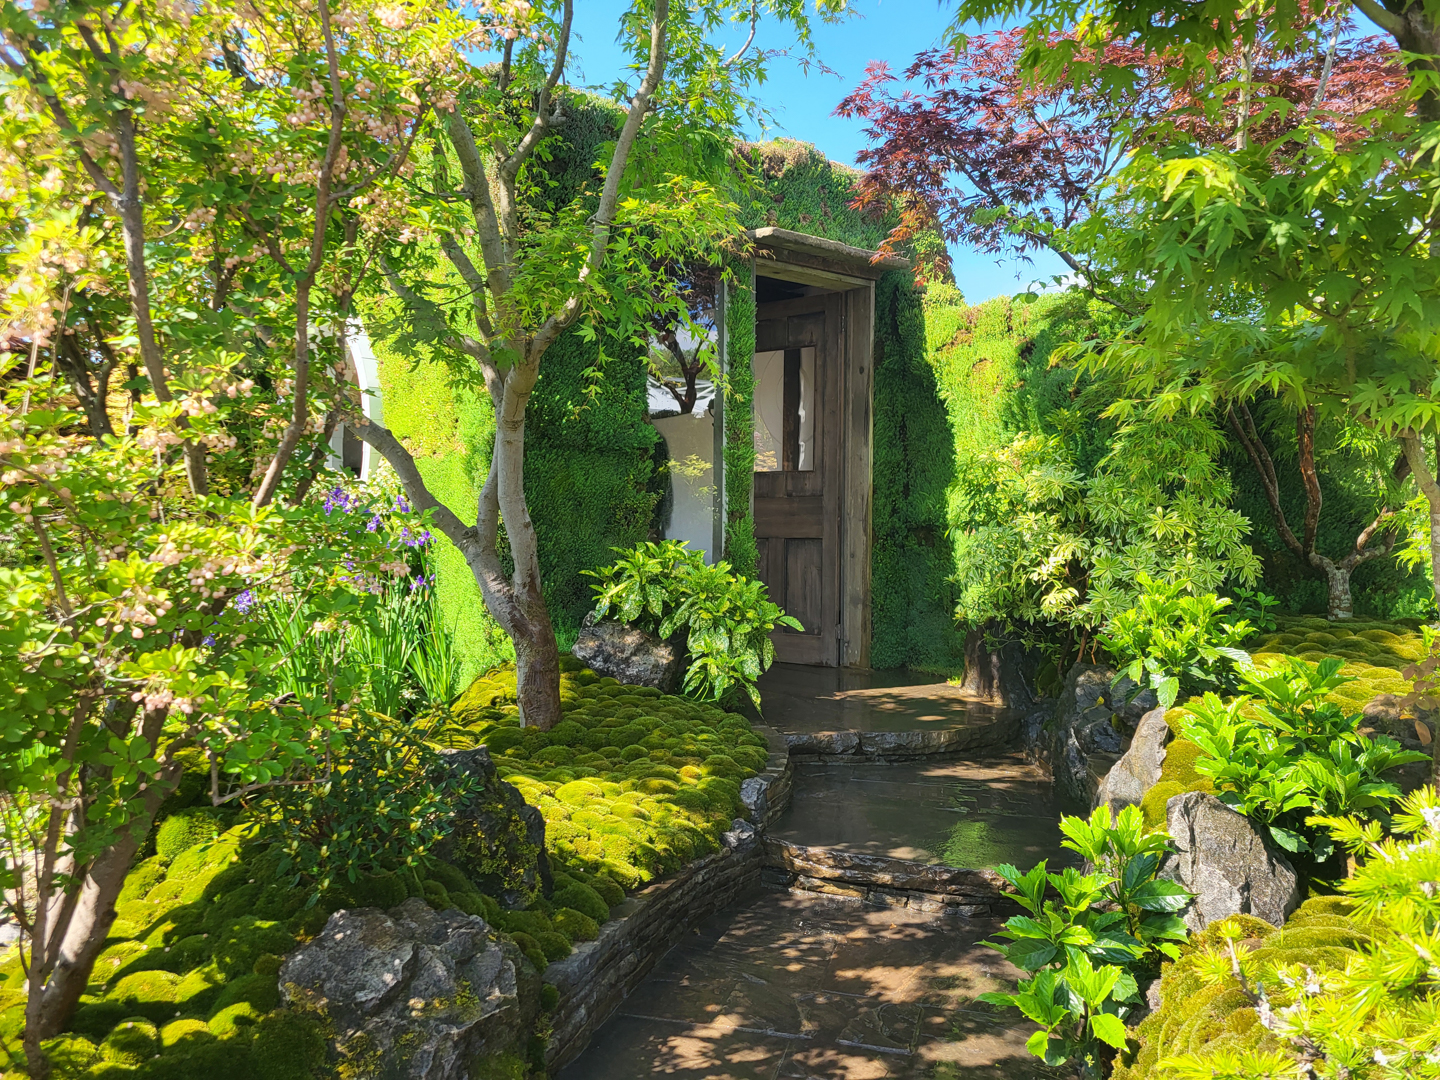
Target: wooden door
[798, 470]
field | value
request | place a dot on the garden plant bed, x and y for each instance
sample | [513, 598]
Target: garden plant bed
[599, 975]
[189, 985]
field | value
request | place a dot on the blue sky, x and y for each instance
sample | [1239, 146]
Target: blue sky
[803, 102]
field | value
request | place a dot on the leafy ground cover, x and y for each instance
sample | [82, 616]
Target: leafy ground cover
[632, 784]
[1373, 655]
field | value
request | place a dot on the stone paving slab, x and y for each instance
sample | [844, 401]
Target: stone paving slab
[789, 987]
[966, 814]
[889, 715]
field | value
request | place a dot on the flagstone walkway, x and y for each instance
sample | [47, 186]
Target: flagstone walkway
[800, 984]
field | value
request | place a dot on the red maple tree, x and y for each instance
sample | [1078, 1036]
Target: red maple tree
[993, 161]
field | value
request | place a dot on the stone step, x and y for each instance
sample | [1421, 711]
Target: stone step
[926, 835]
[804, 987]
[844, 714]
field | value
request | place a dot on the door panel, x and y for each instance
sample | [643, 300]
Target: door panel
[798, 383]
[803, 594]
[797, 515]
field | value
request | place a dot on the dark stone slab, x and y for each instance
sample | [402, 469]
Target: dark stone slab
[629, 655]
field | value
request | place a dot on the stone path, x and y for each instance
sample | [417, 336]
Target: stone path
[890, 714]
[827, 979]
[957, 813]
[812, 987]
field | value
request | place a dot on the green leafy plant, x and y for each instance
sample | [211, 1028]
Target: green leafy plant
[383, 805]
[1053, 535]
[1084, 948]
[725, 619]
[1288, 753]
[1173, 640]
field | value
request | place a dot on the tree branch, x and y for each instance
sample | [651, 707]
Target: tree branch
[754, 22]
[1260, 457]
[605, 214]
[510, 168]
[300, 413]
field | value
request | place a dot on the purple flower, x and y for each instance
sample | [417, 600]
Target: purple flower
[245, 601]
[418, 583]
[414, 539]
[208, 640]
[401, 506]
[373, 523]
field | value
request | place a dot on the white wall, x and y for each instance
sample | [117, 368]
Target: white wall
[691, 441]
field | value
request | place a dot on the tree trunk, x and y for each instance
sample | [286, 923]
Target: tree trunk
[47, 1012]
[519, 606]
[1340, 604]
[1425, 480]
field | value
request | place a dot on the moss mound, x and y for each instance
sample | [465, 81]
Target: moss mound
[632, 783]
[1210, 1020]
[1375, 653]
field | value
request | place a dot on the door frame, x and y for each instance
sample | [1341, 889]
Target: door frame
[784, 325]
[848, 275]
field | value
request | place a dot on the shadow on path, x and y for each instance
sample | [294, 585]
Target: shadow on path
[788, 987]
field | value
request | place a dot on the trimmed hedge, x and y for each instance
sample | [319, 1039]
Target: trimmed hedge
[911, 561]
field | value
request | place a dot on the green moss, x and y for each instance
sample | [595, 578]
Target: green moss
[1211, 1020]
[576, 925]
[584, 899]
[143, 878]
[663, 792]
[531, 950]
[131, 1042]
[182, 831]
[244, 941]
[555, 945]
[1155, 803]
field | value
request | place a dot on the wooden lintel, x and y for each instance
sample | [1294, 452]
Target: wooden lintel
[843, 257]
[801, 274]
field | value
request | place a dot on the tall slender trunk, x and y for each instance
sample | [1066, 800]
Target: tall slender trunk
[537, 655]
[1425, 479]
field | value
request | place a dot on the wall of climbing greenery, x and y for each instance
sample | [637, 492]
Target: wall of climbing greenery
[739, 415]
[996, 368]
[912, 562]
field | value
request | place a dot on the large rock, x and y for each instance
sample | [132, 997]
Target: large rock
[1091, 718]
[997, 674]
[1221, 858]
[629, 655]
[414, 993]
[497, 838]
[1139, 770]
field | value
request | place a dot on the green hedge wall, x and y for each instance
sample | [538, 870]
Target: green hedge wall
[911, 561]
[588, 466]
[588, 472]
[740, 547]
[993, 365]
[450, 432]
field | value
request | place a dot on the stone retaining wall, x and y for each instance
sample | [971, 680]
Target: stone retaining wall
[599, 974]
